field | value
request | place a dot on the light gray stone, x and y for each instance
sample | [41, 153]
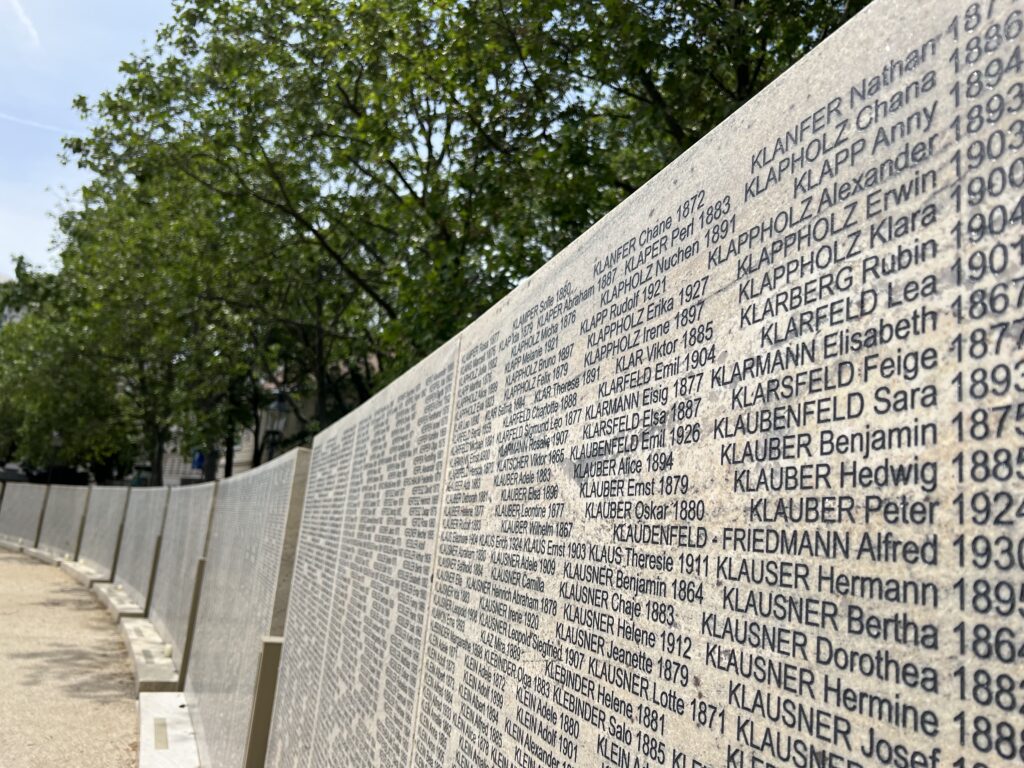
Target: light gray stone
[166, 736]
[143, 523]
[244, 598]
[313, 578]
[62, 520]
[103, 520]
[727, 479]
[153, 668]
[713, 472]
[362, 577]
[118, 601]
[84, 574]
[21, 512]
[182, 545]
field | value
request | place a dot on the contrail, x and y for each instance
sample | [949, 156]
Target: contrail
[26, 22]
[31, 123]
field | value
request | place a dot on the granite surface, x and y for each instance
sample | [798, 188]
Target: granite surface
[21, 512]
[143, 523]
[103, 519]
[354, 635]
[183, 544]
[735, 479]
[62, 520]
[255, 523]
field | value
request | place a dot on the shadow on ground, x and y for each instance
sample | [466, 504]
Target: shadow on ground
[66, 694]
[82, 673]
[72, 597]
[79, 671]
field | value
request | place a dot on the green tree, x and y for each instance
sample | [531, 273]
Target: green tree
[61, 403]
[303, 198]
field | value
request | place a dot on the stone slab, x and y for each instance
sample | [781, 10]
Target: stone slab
[706, 454]
[182, 546]
[362, 577]
[312, 589]
[41, 555]
[714, 467]
[61, 531]
[118, 601]
[140, 540]
[83, 573]
[728, 477]
[244, 598]
[166, 736]
[102, 532]
[152, 664]
[21, 512]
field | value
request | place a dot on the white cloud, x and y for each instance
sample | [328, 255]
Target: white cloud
[31, 123]
[26, 22]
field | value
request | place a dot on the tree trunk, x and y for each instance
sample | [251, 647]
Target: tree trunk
[321, 369]
[156, 476]
[257, 444]
[229, 456]
[211, 460]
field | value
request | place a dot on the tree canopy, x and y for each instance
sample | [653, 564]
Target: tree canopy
[303, 198]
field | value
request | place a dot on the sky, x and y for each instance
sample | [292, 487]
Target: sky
[50, 52]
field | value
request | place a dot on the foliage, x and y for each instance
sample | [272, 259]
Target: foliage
[305, 197]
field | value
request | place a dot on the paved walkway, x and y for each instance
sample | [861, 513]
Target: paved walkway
[65, 685]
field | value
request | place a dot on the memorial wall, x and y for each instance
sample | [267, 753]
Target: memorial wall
[313, 576]
[182, 545]
[143, 523]
[244, 598]
[21, 512]
[735, 480]
[103, 520]
[62, 520]
[350, 665]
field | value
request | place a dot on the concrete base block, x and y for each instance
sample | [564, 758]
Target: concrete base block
[84, 574]
[10, 546]
[116, 600]
[41, 556]
[166, 736]
[151, 657]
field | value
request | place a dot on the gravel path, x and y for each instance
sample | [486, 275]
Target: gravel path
[65, 685]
